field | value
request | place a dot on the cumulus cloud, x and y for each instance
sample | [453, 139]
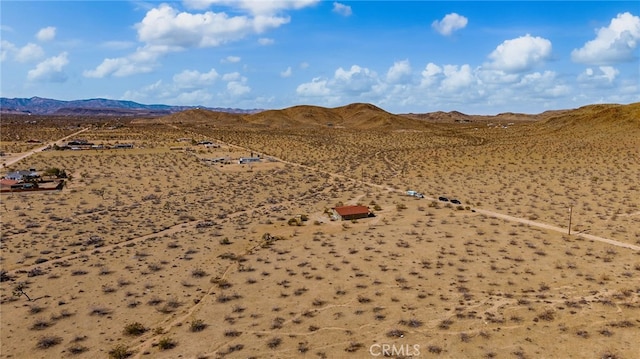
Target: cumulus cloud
[456, 77]
[520, 54]
[50, 70]
[450, 23]
[194, 87]
[238, 88]
[354, 84]
[189, 79]
[356, 80]
[400, 71]
[316, 88]
[613, 44]
[122, 66]
[164, 29]
[29, 52]
[253, 6]
[342, 9]
[231, 59]
[46, 34]
[286, 73]
[603, 75]
[6, 48]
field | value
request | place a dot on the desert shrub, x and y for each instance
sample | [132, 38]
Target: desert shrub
[40, 324]
[413, 323]
[198, 273]
[134, 329]
[274, 342]
[353, 346]
[48, 341]
[395, 333]
[197, 325]
[120, 351]
[166, 343]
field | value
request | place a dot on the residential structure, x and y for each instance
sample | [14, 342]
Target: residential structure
[244, 160]
[347, 213]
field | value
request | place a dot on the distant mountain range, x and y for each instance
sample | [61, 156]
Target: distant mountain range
[97, 107]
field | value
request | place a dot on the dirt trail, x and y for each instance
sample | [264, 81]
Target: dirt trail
[20, 156]
[555, 228]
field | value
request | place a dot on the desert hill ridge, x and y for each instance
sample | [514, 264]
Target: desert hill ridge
[365, 116]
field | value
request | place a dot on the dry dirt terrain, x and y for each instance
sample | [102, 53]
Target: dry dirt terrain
[159, 252]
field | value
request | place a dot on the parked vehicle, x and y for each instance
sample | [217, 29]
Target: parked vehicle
[455, 201]
[443, 199]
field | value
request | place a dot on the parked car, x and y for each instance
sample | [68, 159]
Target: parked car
[443, 199]
[455, 201]
[418, 195]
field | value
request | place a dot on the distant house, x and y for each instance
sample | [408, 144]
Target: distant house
[244, 160]
[22, 175]
[347, 213]
[122, 145]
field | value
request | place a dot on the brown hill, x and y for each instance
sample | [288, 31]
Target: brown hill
[201, 116]
[610, 118]
[595, 119]
[353, 116]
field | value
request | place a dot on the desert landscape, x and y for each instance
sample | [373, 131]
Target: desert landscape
[173, 248]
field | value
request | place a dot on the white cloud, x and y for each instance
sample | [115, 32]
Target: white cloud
[164, 29]
[342, 9]
[316, 88]
[238, 88]
[286, 73]
[520, 54]
[231, 59]
[264, 41]
[400, 71]
[613, 44]
[604, 75]
[29, 52]
[430, 75]
[6, 48]
[46, 34]
[450, 23]
[231, 76]
[189, 79]
[356, 80]
[50, 70]
[253, 6]
[457, 78]
[119, 67]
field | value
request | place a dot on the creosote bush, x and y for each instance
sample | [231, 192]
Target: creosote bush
[135, 329]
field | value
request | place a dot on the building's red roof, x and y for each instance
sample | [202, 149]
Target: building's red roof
[351, 210]
[7, 182]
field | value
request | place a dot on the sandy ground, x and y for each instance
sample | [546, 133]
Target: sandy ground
[153, 252]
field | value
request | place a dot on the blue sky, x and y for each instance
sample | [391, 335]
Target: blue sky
[476, 57]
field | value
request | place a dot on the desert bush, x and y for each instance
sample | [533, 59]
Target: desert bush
[166, 343]
[48, 341]
[134, 329]
[274, 342]
[395, 333]
[197, 325]
[120, 351]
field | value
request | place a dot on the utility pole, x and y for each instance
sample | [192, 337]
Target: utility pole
[570, 215]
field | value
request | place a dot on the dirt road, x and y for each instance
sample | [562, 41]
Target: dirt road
[20, 156]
